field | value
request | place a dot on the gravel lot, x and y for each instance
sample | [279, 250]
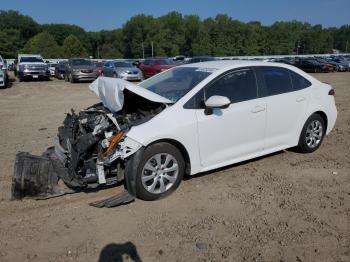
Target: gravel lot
[282, 207]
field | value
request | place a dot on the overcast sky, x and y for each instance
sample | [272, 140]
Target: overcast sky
[94, 15]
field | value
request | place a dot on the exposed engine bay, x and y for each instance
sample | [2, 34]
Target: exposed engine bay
[91, 147]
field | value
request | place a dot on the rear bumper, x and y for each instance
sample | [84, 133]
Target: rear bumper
[331, 117]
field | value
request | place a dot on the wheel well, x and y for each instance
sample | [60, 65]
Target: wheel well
[182, 149]
[324, 117]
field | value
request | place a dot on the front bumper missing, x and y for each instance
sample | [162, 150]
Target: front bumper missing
[35, 176]
[38, 176]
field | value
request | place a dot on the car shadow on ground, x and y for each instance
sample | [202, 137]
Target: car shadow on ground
[119, 252]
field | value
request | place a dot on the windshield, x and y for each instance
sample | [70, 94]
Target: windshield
[123, 64]
[175, 83]
[77, 62]
[31, 59]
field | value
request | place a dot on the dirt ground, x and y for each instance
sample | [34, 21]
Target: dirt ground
[282, 207]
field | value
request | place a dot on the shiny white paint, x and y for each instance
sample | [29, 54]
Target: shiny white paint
[242, 131]
[217, 102]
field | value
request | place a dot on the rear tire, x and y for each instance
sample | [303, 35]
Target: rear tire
[165, 176]
[312, 134]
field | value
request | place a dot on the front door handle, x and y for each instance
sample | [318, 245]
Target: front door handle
[258, 109]
[300, 98]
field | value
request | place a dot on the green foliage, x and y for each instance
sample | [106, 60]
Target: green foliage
[24, 24]
[72, 47]
[171, 34]
[44, 44]
[10, 42]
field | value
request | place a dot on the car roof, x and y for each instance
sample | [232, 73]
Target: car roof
[227, 64]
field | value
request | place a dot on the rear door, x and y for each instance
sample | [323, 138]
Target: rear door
[286, 105]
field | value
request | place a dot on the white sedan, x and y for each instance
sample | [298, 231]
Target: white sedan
[220, 113]
[186, 120]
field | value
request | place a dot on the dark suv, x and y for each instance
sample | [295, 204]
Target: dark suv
[80, 69]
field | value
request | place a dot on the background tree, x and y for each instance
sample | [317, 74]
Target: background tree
[44, 44]
[10, 42]
[72, 47]
[15, 30]
[174, 34]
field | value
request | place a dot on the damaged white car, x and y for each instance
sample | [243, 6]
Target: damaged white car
[186, 120]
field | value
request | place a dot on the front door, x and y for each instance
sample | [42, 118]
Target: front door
[230, 134]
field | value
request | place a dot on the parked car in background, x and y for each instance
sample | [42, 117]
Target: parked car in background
[338, 66]
[324, 60]
[343, 62]
[99, 67]
[286, 60]
[198, 59]
[4, 80]
[153, 66]
[32, 67]
[122, 69]
[311, 66]
[179, 60]
[80, 69]
[60, 71]
[52, 68]
[331, 66]
[3, 64]
[11, 67]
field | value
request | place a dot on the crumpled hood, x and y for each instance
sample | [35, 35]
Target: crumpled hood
[110, 91]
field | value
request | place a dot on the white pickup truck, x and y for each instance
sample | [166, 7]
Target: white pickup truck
[32, 67]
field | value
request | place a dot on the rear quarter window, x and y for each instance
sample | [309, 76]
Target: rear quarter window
[298, 81]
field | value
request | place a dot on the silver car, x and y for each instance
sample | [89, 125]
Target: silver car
[122, 69]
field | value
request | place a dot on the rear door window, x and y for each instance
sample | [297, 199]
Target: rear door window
[277, 80]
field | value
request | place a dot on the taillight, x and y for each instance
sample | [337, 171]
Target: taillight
[331, 92]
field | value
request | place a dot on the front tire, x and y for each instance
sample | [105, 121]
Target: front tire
[312, 134]
[159, 172]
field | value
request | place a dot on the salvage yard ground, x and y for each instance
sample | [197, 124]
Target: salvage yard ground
[283, 207]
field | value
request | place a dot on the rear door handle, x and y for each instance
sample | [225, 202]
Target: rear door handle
[300, 98]
[258, 109]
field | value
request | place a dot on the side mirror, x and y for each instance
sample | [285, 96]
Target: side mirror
[216, 102]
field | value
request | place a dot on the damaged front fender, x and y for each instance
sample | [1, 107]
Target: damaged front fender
[126, 148]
